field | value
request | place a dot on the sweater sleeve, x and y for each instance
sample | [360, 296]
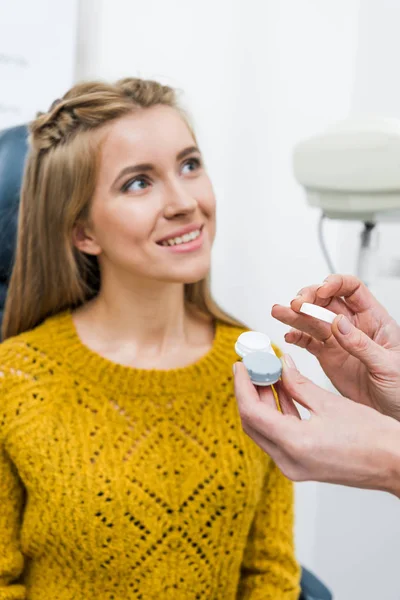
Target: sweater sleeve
[269, 568]
[11, 503]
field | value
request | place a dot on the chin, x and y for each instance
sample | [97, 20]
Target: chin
[192, 277]
[188, 273]
[191, 280]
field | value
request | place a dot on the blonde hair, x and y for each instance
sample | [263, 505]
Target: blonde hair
[50, 275]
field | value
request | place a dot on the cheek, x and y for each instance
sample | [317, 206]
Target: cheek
[121, 226]
[207, 202]
[209, 208]
[212, 206]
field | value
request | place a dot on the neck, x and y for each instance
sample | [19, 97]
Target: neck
[151, 314]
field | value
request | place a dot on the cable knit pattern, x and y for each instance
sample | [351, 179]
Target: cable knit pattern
[119, 484]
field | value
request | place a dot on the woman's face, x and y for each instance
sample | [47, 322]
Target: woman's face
[153, 210]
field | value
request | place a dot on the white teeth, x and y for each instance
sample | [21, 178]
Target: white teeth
[184, 239]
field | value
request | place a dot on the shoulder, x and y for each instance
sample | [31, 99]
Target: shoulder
[22, 352]
[230, 332]
[225, 340]
[27, 369]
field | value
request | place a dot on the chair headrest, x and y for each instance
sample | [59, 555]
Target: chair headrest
[13, 151]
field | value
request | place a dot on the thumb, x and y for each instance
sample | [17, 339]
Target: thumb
[300, 388]
[358, 344]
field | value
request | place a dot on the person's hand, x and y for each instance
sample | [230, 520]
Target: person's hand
[360, 351]
[342, 442]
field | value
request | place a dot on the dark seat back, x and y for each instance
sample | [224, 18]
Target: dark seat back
[13, 150]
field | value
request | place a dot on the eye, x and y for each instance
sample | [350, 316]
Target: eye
[191, 165]
[135, 185]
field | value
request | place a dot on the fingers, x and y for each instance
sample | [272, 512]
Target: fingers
[244, 389]
[358, 344]
[263, 442]
[266, 396]
[313, 327]
[285, 456]
[277, 434]
[248, 396]
[357, 295]
[259, 413]
[310, 294]
[301, 389]
[303, 340]
[287, 405]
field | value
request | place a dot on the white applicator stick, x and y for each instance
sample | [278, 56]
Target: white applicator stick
[318, 312]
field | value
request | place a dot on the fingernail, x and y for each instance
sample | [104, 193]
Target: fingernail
[325, 281]
[234, 368]
[289, 361]
[298, 297]
[344, 325]
[290, 331]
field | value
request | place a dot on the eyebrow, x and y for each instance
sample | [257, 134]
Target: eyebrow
[146, 167]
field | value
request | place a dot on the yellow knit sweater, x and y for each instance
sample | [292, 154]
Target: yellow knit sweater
[119, 484]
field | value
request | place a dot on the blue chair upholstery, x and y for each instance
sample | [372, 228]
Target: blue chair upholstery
[13, 149]
[312, 588]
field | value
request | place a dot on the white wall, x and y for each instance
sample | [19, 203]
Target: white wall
[259, 75]
[37, 56]
[376, 90]
[359, 531]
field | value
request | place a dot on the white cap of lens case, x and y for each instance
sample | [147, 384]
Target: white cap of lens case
[259, 358]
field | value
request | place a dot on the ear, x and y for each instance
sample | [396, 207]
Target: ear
[84, 240]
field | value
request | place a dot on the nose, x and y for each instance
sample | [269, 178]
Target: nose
[179, 201]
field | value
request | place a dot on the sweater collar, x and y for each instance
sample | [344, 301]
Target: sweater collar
[103, 372]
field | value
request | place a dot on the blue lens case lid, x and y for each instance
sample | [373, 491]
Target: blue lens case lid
[264, 368]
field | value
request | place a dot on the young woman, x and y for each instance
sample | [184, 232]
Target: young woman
[124, 471]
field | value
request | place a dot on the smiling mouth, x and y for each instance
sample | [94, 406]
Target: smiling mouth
[183, 239]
